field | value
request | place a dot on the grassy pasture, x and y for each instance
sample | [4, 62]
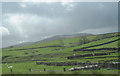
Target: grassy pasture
[23, 68]
[22, 60]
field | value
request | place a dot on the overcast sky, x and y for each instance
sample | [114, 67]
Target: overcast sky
[31, 21]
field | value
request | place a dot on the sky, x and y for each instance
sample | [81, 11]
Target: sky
[33, 21]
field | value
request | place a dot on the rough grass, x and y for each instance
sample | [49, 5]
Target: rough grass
[23, 68]
[57, 54]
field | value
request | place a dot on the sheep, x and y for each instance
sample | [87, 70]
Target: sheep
[72, 69]
[9, 66]
[85, 67]
[74, 54]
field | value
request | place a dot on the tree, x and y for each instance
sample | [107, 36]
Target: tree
[101, 63]
[11, 46]
[88, 62]
[83, 40]
[62, 43]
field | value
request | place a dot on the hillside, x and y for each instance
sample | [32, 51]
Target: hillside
[93, 48]
[58, 37]
[22, 44]
[52, 38]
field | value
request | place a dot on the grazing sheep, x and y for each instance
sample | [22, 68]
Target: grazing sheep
[9, 66]
[72, 69]
[85, 67]
[74, 54]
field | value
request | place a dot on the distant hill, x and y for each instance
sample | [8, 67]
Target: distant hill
[57, 37]
[22, 44]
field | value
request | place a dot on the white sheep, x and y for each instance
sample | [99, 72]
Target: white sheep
[74, 54]
[9, 66]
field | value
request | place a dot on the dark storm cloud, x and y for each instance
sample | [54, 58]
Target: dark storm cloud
[34, 21]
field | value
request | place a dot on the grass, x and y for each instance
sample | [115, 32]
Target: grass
[22, 60]
[99, 42]
[39, 69]
[111, 45]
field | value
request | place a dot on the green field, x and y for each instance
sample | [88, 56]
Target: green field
[23, 58]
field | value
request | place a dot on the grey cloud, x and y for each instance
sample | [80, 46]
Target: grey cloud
[36, 21]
